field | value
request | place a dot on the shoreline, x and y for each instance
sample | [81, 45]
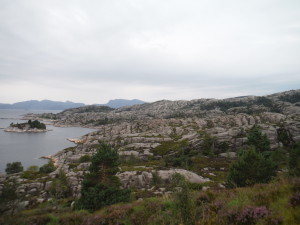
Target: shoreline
[17, 130]
[52, 158]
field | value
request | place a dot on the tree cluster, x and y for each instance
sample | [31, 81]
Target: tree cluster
[36, 124]
[14, 167]
[32, 124]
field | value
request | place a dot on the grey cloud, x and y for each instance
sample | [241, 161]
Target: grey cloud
[176, 44]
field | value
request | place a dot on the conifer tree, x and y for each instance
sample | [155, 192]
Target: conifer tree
[251, 167]
[101, 187]
[258, 140]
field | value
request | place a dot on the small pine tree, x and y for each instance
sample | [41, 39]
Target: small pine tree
[183, 199]
[101, 187]
[251, 167]
[258, 140]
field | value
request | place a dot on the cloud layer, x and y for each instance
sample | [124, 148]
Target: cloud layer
[93, 51]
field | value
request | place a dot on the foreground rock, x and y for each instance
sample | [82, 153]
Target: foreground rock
[143, 179]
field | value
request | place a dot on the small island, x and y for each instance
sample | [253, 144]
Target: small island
[28, 127]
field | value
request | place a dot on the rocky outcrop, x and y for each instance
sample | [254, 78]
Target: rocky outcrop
[144, 179]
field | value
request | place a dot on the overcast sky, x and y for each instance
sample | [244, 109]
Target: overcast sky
[92, 51]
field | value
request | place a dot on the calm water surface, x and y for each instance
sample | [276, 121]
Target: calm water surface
[29, 147]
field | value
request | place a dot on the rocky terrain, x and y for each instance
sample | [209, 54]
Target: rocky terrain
[197, 139]
[286, 103]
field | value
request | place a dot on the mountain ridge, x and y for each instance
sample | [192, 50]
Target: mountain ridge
[59, 105]
[43, 104]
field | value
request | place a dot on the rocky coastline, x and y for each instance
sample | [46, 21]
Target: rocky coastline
[149, 134]
[30, 130]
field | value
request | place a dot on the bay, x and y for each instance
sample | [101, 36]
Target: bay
[27, 148]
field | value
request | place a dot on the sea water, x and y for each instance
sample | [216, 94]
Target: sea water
[27, 148]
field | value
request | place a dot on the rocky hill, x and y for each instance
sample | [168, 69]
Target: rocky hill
[285, 103]
[198, 139]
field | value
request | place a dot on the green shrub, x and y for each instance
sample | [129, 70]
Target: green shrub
[48, 168]
[195, 186]
[31, 173]
[251, 167]
[85, 158]
[169, 146]
[101, 187]
[15, 167]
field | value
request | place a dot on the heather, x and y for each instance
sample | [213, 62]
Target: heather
[274, 203]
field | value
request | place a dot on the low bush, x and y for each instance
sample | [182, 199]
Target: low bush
[169, 146]
[31, 173]
[85, 158]
[48, 168]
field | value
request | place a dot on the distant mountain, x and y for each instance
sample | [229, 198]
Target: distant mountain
[117, 103]
[45, 104]
[56, 105]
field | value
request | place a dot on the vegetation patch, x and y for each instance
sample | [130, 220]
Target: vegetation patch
[169, 146]
[30, 124]
[292, 98]
[268, 204]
